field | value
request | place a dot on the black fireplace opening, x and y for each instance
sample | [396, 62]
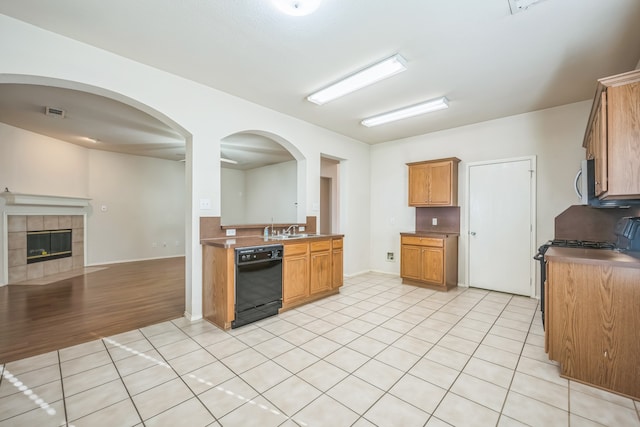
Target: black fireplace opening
[48, 245]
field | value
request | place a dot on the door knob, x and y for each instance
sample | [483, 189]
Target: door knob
[473, 233]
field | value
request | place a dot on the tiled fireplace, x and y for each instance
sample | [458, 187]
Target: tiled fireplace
[18, 226]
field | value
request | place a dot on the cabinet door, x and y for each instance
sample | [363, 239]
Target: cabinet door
[598, 142]
[320, 272]
[419, 185]
[410, 262]
[440, 184]
[295, 278]
[623, 134]
[337, 268]
[433, 265]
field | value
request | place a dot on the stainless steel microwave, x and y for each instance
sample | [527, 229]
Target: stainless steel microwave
[585, 188]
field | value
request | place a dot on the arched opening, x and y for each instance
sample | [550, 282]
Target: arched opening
[128, 219]
[262, 176]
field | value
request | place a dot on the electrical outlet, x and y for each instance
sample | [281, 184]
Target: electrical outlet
[302, 228]
[231, 231]
[434, 221]
[205, 203]
[390, 256]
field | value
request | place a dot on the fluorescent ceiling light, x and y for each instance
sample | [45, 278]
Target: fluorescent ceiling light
[403, 113]
[366, 77]
[223, 160]
[297, 7]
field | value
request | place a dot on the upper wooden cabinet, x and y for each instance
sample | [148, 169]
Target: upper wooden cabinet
[612, 137]
[434, 182]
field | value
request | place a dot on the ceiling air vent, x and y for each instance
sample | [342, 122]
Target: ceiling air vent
[521, 5]
[54, 112]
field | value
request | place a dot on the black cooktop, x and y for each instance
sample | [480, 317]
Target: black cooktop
[587, 244]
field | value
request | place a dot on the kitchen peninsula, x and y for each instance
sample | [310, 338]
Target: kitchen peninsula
[592, 317]
[312, 269]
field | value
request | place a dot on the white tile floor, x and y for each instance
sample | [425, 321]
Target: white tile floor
[378, 354]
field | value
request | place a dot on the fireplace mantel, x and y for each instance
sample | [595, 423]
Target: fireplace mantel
[42, 200]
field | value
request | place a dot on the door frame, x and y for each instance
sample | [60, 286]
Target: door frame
[532, 216]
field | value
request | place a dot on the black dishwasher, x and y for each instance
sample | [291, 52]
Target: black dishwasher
[258, 283]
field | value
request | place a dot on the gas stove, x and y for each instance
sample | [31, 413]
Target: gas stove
[580, 244]
[586, 244]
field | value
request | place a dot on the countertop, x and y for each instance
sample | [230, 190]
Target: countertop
[429, 234]
[248, 241]
[594, 256]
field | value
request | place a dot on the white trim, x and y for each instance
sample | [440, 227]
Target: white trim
[532, 216]
[42, 200]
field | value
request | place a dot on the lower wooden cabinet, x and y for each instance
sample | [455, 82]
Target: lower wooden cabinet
[311, 270]
[320, 258]
[337, 274]
[591, 322]
[429, 261]
[295, 273]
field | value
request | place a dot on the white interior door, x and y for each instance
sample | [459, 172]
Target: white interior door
[501, 209]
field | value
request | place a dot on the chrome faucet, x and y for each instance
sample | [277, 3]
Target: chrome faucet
[294, 226]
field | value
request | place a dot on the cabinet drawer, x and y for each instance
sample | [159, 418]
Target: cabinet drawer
[295, 249]
[337, 243]
[422, 241]
[323, 245]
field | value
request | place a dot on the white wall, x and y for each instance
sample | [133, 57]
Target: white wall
[272, 194]
[34, 164]
[145, 204]
[553, 135]
[232, 198]
[204, 116]
[144, 197]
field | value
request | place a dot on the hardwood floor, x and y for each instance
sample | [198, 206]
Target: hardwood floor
[36, 319]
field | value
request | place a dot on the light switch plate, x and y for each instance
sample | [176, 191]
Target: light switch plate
[231, 231]
[434, 221]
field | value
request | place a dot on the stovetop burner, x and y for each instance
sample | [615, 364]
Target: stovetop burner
[587, 244]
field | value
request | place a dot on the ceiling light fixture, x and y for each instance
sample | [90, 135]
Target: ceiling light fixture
[365, 77]
[297, 7]
[92, 140]
[403, 113]
[223, 160]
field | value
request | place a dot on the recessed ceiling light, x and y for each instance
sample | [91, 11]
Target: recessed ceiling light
[403, 113]
[92, 140]
[365, 77]
[297, 7]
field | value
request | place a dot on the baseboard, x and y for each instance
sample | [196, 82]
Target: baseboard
[190, 317]
[123, 261]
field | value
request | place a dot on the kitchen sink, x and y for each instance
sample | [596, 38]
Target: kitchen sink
[288, 236]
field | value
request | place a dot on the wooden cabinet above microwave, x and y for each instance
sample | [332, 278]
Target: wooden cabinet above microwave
[612, 137]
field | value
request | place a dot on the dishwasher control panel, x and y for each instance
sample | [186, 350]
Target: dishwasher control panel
[258, 254]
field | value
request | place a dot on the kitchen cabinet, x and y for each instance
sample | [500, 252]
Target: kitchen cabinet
[433, 182]
[295, 273]
[320, 266]
[218, 292]
[429, 261]
[612, 137]
[311, 270]
[591, 317]
[337, 274]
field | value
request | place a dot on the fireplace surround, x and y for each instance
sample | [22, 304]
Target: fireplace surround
[19, 227]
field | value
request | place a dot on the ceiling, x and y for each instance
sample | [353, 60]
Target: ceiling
[488, 62]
